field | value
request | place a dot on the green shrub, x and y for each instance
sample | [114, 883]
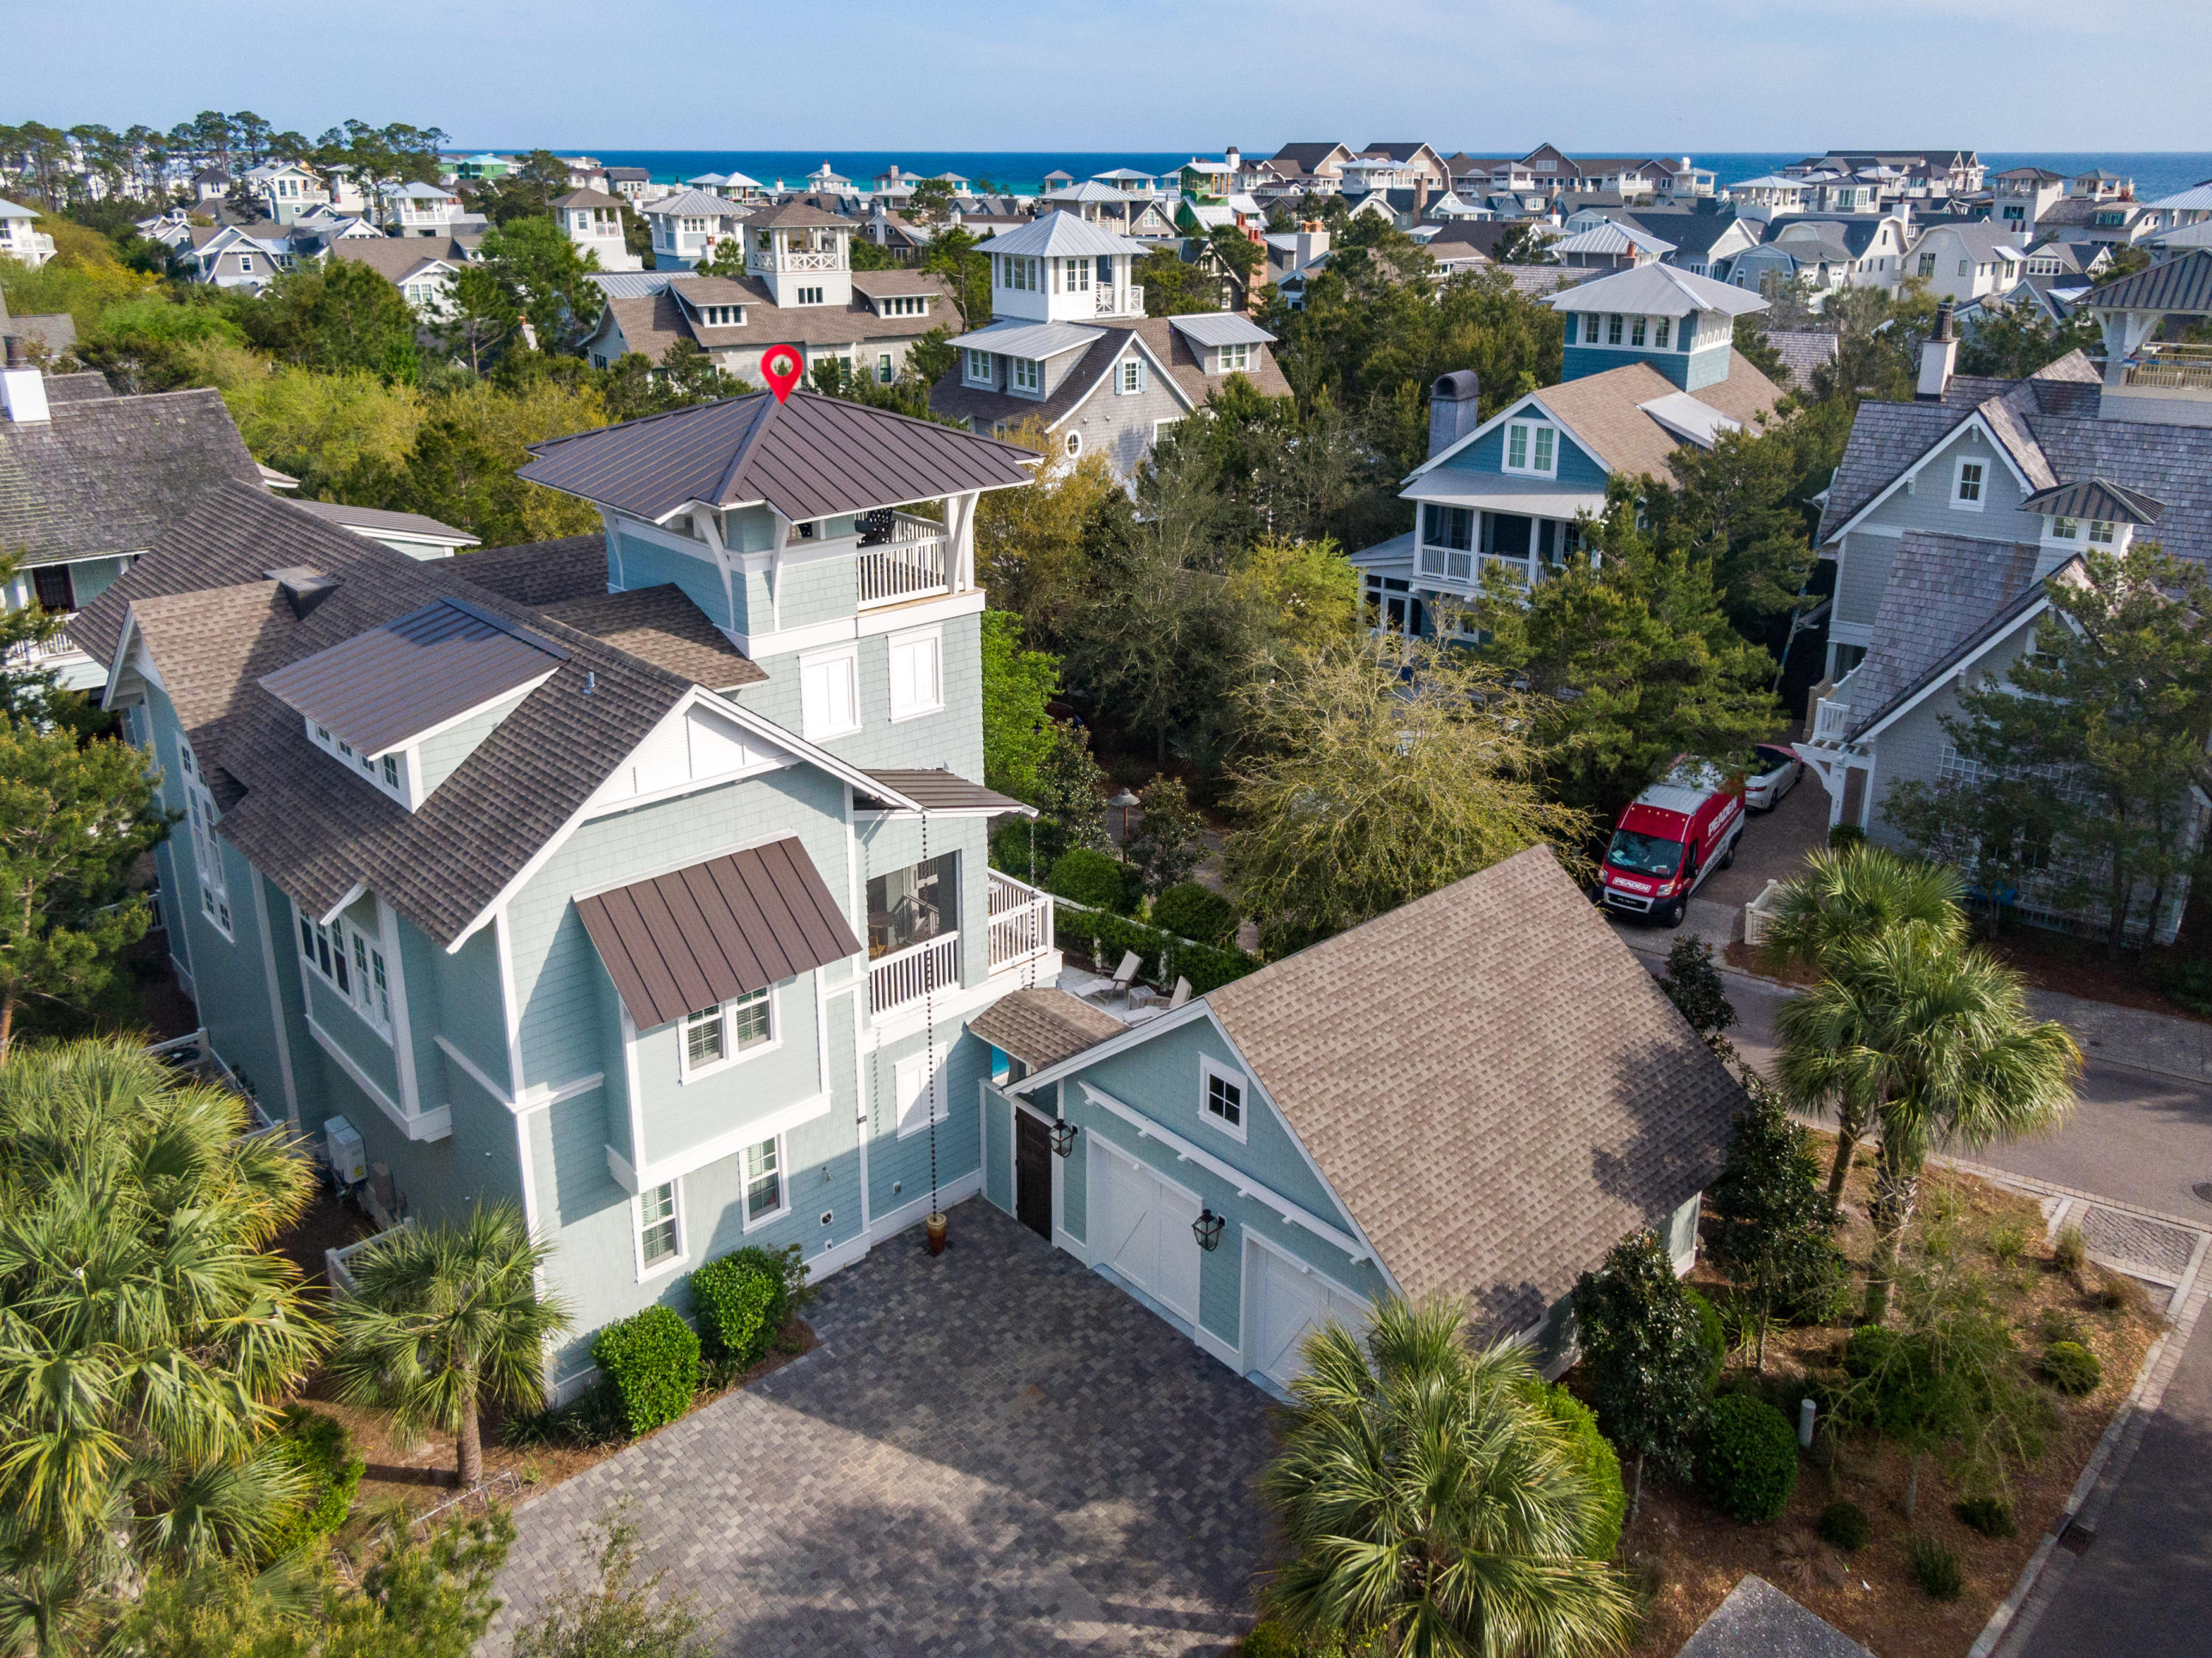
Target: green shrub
[1594, 1455]
[2071, 1253]
[1748, 1462]
[1936, 1569]
[1088, 877]
[1845, 1524]
[2071, 1368]
[1869, 1350]
[320, 1448]
[738, 1303]
[1990, 1515]
[1193, 912]
[1269, 1639]
[652, 1358]
[1010, 848]
[1104, 938]
[1712, 1334]
[1844, 836]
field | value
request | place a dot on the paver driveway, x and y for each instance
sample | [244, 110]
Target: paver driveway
[991, 1452]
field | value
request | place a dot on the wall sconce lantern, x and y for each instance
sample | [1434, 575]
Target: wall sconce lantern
[1207, 1228]
[1063, 1138]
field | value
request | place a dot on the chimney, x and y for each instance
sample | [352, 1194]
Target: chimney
[22, 388]
[1312, 242]
[303, 588]
[1939, 356]
[1420, 195]
[1236, 164]
[1452, 409]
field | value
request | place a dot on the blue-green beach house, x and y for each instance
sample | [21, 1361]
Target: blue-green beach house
[639, 880]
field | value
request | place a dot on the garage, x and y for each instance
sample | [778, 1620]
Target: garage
[1141, 1229]
[1288, 1302]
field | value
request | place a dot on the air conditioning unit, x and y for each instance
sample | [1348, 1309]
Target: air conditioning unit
[341, 1147]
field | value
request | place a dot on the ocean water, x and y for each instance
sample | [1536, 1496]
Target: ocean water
[2156, 174]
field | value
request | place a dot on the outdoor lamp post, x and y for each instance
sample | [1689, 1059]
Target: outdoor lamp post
[1125, 800]
[1063, 1138]
[1207, 1228]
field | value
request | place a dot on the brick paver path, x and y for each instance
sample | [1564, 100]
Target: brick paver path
[994, 1451]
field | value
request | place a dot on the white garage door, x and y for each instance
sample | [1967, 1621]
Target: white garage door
[1288, 1305]
[1143, 1229]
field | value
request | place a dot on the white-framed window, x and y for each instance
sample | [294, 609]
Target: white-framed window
[714, 1036]
[882, 367]
[660, 1212]
[1660, 328]
[810, 296]
[1635, 330]
[351, 962]
[768, 1192]
[979, 368]
[1025, 373]
[829, 693]
[2065, 529]
[1074, 444]
[1224, 1096]
[245, 264]
[1613, 329]
[1966, 267]
[1966, 482]
[206, 850]
[917, 663]
[2100, 533]
[1531, 447]
[1235, 358]
[921, 1095]
[1132, 379]
[1075, 276]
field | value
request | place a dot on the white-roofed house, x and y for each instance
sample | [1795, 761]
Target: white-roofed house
[1650, 365]
[1070, 346]
[421, 210]
[19, 241]
[1610, 245]
[287, 189]
[688, 226]
[592, 220]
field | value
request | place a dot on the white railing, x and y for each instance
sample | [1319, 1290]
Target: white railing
[905, 568]
[1830, 720]
[44, 650]
[906, 976]
[334, 1260]
[793, 259]
[1126, 302]
[1021, 921]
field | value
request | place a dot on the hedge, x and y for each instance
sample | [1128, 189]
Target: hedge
[320, 1448]
[1600, 1464]
[1193, 912]
[1088, 877]
[1748, 1462]
[1163, 956]
[652, 1360]
[744, 1299]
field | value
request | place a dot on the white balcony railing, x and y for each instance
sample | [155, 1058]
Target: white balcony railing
[1830, 720]
[913, 564]
[1124, 302]
[1021, 921]
[793, 259]
[904, 977]
[31, 652]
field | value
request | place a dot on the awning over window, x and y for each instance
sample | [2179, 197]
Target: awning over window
[715, 931]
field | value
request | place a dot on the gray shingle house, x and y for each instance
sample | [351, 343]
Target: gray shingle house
[1949, 513]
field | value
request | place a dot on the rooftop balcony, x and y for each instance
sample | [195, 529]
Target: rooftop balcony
[911, 559]
[1127, 301]
[793, 260]
[2164, 382]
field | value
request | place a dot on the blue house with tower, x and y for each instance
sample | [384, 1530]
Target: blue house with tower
[1649, 364]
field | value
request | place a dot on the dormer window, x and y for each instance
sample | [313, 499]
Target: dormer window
[1025, 373]
[1532, 449]
[2065, 529]
[722, 316]
[2100, 533]
[979, 368]
[1235, 358]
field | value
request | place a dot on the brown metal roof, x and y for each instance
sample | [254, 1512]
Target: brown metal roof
[1043, 1027]
[717, 930]
[380, 688]
[812, 457]
[940, 791]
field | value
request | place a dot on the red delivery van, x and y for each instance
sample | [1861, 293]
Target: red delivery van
[1673, 835]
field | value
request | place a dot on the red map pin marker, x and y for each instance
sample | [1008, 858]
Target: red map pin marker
[780, 366]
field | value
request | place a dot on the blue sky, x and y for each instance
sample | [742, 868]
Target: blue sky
[1143, 75]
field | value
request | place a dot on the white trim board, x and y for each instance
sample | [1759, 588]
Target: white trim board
[429, 1126]
[728, 1144]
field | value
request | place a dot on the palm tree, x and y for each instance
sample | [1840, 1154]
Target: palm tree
[1935, 1034]
[446, 1317]
[1844, 898]
[1425, 1498]
[148, 1333]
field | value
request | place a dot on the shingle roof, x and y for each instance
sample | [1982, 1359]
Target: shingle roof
[2182, 284]
[662, 625]
[1043, 1027]
[809, 458]
[576, 198]
[1886, 438]
[1605, 411]
[542, 572]
[1945, 593]
[397, 258]
[1570, 1107]
[1802, 351]
[109, 474]
[952, 396]
[654, 318]
[792, 215]
[715, 931]
[85, 386]
[384, 688]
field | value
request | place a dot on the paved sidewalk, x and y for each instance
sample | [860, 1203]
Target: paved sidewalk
[994, 1451]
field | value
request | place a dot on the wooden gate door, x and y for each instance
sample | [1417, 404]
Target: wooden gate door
[1033, 1173]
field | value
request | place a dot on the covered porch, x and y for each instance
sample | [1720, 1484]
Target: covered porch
[1466, 524]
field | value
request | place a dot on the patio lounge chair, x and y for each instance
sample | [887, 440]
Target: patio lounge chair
[1124, 976]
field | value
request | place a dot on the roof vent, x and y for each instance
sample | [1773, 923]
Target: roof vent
[303, 588]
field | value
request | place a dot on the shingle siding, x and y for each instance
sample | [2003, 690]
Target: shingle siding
[1120, 426]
